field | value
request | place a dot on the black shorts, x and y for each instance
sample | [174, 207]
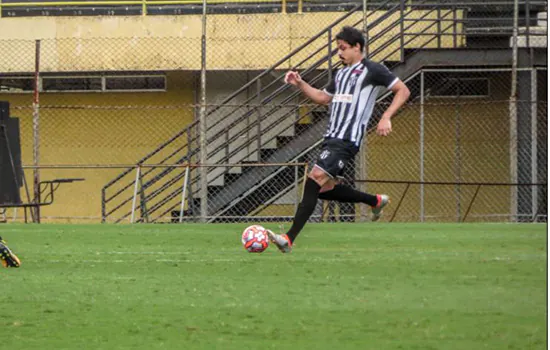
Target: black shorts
[335, 155]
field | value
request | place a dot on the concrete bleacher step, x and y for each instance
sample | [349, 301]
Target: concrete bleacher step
[538, 35]
[542, 19]
[230, 178]
[235, 170]
[283, 140]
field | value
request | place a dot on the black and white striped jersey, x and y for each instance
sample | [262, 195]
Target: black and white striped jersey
[354, 90]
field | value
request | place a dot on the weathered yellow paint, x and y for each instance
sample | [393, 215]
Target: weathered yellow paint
[125, 128]
[397, 158]
[277, 210]
[487, 147]
[252, 41]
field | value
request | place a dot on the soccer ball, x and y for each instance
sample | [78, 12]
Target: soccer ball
[255, 239]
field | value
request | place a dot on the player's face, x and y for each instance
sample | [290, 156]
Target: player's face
[347, 53]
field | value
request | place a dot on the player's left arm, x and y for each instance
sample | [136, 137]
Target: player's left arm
[401, 95]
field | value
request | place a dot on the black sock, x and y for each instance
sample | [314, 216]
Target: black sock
[305, 209]
[342, 193]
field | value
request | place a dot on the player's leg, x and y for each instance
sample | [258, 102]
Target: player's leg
[344, 193]
[7, 257]
[316, 180]
[347, 194]
[332, 159]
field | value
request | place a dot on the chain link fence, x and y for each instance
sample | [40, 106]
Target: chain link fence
[460, 146]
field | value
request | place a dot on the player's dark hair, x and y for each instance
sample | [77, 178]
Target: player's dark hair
[352, 36]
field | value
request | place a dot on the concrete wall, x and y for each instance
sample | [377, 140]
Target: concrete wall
[99, 128]
[252, 41]
[157, 43]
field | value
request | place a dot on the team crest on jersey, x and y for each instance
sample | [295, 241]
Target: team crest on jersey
[354, 75]
[324, 154]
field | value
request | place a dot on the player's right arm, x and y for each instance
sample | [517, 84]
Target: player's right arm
[316, 95]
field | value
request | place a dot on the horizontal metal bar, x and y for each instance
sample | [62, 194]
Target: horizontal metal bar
[130, 2]
[183, 165]
[456, 5]
[72, 3]
[459, 5]
[452, 183]
[467, 70]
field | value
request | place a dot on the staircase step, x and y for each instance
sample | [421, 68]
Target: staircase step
[301, 128]
[267, 152]
[231, 177]
[318, 116]
[542, 19]
[283, 140]
[537, 38]
[538, 30]
[246, 169]
[213, 190]
[235, 170]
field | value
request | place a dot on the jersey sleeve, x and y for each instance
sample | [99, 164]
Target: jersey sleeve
[331, 87]
[381, 75]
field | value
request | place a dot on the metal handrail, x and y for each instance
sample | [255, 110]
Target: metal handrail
[274, 109]
[416, 5]
[286, 87]
[267, 99]
[167, 170]
[246, 86]
[383, 46]
[229, 98]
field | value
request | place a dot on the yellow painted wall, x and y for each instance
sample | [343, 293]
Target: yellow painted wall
[277, 210]
[484, 144]
[104, 128]
[484, 136]
[107, 135]
[252, 41]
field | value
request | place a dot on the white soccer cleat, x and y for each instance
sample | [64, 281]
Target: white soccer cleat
[281, 241]
[383, 200]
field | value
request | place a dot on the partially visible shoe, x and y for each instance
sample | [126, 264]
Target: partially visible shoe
[281, 241]
[7, 258]
[383, 200]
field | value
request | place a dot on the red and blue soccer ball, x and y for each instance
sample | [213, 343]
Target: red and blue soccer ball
[255, 239]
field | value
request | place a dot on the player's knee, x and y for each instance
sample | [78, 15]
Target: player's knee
[329, 186]
[318, 176]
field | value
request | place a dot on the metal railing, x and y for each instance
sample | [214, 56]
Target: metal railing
[478, 185]
[262, 108]
[226, 101]
[142, 6]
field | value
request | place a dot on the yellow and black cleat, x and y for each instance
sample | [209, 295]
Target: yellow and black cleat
[7, 258]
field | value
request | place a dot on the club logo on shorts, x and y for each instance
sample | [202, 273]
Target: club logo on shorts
[324, 154]
[340, 164]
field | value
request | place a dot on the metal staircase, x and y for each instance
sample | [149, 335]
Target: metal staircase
[235, 192]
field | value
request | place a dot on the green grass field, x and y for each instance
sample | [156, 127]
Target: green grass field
[345, 286]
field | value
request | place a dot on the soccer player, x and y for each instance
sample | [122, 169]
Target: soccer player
[352, 94]
[7, 258]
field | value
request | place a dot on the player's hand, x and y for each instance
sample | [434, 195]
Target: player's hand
[293, 78]
[384, 127]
